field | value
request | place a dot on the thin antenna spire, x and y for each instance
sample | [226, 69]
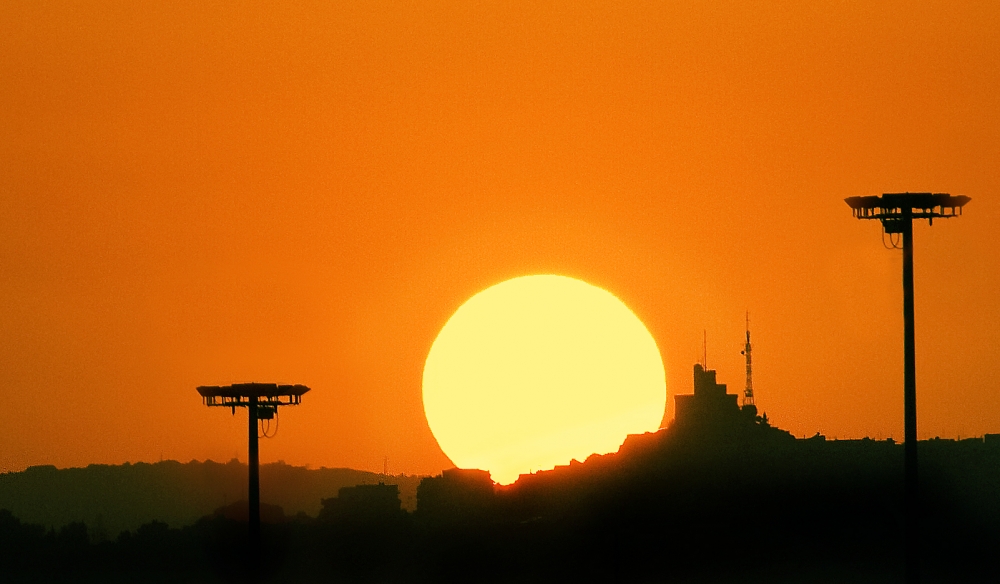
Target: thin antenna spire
[704, 355]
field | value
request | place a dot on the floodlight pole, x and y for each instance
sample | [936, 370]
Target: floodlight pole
[896, 211]
[261, 401]
[253, 494]
[911, 502]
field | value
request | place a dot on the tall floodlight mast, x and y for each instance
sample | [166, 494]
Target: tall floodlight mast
[261, 401]
[897, 211]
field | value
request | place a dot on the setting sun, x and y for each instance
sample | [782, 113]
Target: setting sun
[538, 370]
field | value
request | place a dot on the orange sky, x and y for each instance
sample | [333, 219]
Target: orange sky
[204, 193]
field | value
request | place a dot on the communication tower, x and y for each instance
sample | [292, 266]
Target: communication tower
[748, 390]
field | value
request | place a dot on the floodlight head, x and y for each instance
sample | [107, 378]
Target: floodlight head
[891, 208]
[264, 394]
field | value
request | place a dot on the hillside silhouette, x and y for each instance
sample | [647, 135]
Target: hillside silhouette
[720, 495]
[664, 508]
[113, 498]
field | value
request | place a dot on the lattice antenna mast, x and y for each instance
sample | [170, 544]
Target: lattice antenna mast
[897, 211]
[748, 390]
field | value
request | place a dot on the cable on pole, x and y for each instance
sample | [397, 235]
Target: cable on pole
[265, 430]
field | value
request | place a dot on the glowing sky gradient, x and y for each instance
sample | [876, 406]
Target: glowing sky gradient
[200, 193]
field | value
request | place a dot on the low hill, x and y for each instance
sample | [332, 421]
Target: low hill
[113, 498]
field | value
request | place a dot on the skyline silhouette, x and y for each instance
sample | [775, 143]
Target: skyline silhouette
[808, 508]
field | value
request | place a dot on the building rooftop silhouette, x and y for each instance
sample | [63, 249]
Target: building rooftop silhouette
[709, 404]
[711, 410]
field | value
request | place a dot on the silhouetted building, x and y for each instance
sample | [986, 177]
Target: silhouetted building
[712, 412]
[455, 494]
[709, 405]
[363, 502]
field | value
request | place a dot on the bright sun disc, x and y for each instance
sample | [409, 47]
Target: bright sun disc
[539, 370]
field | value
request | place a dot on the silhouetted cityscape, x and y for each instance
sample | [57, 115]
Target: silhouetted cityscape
[718, 495]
